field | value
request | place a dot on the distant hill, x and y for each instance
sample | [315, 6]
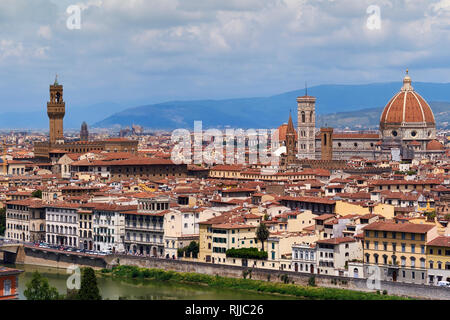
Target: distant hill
[370, 118]
[350, 106]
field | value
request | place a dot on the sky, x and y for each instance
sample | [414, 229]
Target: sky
[146, 51]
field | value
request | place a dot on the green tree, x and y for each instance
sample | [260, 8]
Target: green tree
[262, 234]
[2, 221]
[37, 194]
[89, 289]
[194, 249]
[38, 288]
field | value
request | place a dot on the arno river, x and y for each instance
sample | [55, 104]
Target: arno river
[141, 289]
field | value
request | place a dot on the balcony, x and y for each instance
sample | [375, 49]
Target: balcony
[154, 228]
[145, 242]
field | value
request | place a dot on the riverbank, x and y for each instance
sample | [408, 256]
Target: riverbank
[113, 288]
[304, 292]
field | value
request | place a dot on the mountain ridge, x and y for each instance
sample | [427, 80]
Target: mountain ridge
[270, 112]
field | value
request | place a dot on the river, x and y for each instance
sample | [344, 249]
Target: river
[111, 288]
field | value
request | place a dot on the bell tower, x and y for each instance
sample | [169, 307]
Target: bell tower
[306, 126]
[56, 109]
[290, 142]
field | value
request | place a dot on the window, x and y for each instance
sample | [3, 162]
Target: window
[376, 245]
[7, 287]
[403, 247]
[403, 236]
[367, 244]
[413, 236]
[413, 248]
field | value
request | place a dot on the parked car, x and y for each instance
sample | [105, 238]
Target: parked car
[444, 284]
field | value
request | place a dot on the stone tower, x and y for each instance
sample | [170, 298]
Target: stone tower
[290, 142]
[306, 111]
[84, 133]
[326, 137]
[56, 109]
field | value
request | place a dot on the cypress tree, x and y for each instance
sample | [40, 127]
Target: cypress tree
[89, 289]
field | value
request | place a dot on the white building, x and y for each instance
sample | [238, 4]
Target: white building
[334, 254]
[62, 224]
[109, 227]
[304, 258]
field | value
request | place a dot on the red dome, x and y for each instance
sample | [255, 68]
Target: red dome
[407, 106]
[434, 145]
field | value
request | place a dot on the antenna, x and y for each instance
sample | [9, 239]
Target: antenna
[306, 88]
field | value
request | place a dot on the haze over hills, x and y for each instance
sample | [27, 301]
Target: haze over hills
[335, 106]
[339, 106]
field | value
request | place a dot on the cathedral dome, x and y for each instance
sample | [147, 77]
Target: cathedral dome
[434, 145]
[407, 107]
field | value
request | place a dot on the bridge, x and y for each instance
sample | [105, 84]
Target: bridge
[24, 253]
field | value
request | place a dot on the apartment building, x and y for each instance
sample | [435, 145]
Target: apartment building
[304, 257]
[25, 220]
[399, 250]
[182, 226]
[62, 224]
[438, 259]
[144, 227]
[334, 254]
[108, 226]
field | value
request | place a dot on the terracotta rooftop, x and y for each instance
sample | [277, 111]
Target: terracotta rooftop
[399, 227]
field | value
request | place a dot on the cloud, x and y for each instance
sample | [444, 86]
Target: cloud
[154, 50]
[45, 32]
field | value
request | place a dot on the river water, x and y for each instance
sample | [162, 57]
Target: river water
[111, 288]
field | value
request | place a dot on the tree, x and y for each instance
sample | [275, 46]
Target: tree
[39, 289]
[89, 289]
[37, 194]
[194, 249]
[262, 234]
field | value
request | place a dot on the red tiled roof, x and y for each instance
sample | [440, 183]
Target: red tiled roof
[399, 227]
[440, 242]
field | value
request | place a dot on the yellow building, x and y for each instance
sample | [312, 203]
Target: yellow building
[438, 259]
[205, 242]
[231, 235]
[399, 250]
[344, 208]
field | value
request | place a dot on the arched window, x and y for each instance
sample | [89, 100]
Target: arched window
[303, 117]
